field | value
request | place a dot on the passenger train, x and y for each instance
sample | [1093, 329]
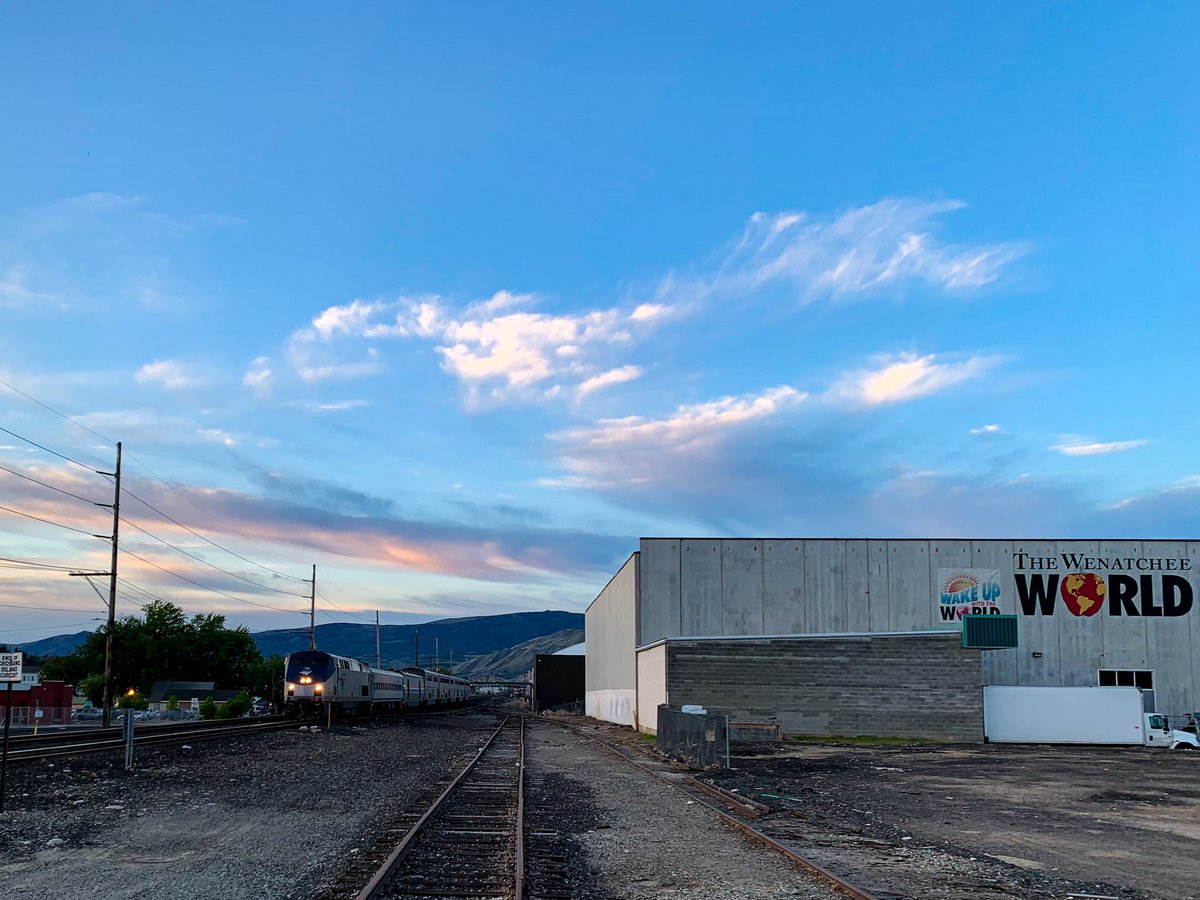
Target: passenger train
[315, 680]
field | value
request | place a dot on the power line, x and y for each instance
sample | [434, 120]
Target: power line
[150, 595]
[46, 406]
[30, 564]
[34, 443]
[48, 627]
[203, 561]
[209, 540]
[170, 486]
[206, 587]
[104, 537]
[45, 485]
[344, 612]
[45, 608]
[209, 512]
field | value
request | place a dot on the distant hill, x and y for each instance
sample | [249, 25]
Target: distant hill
[59, 645]
[453, 640]
[514, 663]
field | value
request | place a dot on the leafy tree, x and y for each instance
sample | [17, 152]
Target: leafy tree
[239, 705]
[265, 679]
[92, 687]
[208, 709]
[172, 703]
[163, 645]
[133, 700]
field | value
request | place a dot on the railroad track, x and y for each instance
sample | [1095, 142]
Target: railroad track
[468, 842]
[50, 746]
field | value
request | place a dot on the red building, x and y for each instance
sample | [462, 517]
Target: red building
[53, 698]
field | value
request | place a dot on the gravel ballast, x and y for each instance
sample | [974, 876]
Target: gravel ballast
[266, 816]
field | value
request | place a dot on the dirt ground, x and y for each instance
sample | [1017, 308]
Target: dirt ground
[989, 820]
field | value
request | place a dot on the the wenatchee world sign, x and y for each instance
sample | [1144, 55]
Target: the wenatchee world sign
[1078, 584]
[1086, 586]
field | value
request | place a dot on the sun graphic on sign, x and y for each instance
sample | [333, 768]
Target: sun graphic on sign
[960, 581]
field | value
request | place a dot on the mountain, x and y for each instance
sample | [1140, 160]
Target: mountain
[59, 645]
[514, 663]
[450, 640]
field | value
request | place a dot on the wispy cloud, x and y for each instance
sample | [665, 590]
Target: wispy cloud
[607, 379]
[507, 348]
[987, 429]
[907, 377]
[173, 375]
[133, 255]
[1076, 446]
[861, 251]
[635, 450]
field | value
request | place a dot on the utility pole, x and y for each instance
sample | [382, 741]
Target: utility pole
[312, 612]
[437, 655]
[112, 596]
[378, 660]
[417, 647]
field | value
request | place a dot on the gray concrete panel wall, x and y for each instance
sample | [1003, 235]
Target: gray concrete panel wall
[785, 604]
[825, 585]
[910, 585]
[819, 586]
[923, 686]
[877, 584]
[658, 599]
[1193, 555]
[741, 587]
[610, 632]
[858, 586]
[999, 666]
[1036, 634]
[700, 587]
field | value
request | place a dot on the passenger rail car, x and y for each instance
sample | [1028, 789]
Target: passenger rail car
[315, 680]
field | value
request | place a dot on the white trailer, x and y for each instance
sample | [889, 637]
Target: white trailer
[1075, 715]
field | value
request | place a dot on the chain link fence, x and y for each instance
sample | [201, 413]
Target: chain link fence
[699, 739]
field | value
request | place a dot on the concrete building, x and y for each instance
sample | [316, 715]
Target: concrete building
[820, 626]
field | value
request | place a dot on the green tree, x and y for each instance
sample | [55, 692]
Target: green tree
[265, 679]
[208, 709]
[163, 645]
[172, 703]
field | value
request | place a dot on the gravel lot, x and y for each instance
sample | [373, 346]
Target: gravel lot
[252, 817]
[638, 838]
[991, 820]
[272, 816]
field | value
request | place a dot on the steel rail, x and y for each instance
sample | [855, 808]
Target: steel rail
[519, 889]
[836, 882]
[86, 734]
[381, 875]
[115, 742]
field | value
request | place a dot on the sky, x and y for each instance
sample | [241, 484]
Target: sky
[456, 301]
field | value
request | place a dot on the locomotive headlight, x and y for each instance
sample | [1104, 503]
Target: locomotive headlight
[320, 688]
[291, 687]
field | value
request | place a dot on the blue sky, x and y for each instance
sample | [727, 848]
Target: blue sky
[455, 302]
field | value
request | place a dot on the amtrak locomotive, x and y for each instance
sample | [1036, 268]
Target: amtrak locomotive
[315, 680]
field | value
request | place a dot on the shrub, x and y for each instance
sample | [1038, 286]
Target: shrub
[208, 709]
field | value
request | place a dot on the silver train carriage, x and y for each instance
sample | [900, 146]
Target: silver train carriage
[314, 679]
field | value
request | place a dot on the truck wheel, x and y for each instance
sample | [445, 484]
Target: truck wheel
[1183, 746]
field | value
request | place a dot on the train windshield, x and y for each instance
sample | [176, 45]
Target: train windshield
[309, 662]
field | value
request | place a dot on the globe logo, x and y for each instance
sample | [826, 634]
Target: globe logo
[1083, 593]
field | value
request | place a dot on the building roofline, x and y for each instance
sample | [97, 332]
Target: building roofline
[620, 568]
[801, 636]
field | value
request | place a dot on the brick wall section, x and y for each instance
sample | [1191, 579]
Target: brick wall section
[922, 686]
